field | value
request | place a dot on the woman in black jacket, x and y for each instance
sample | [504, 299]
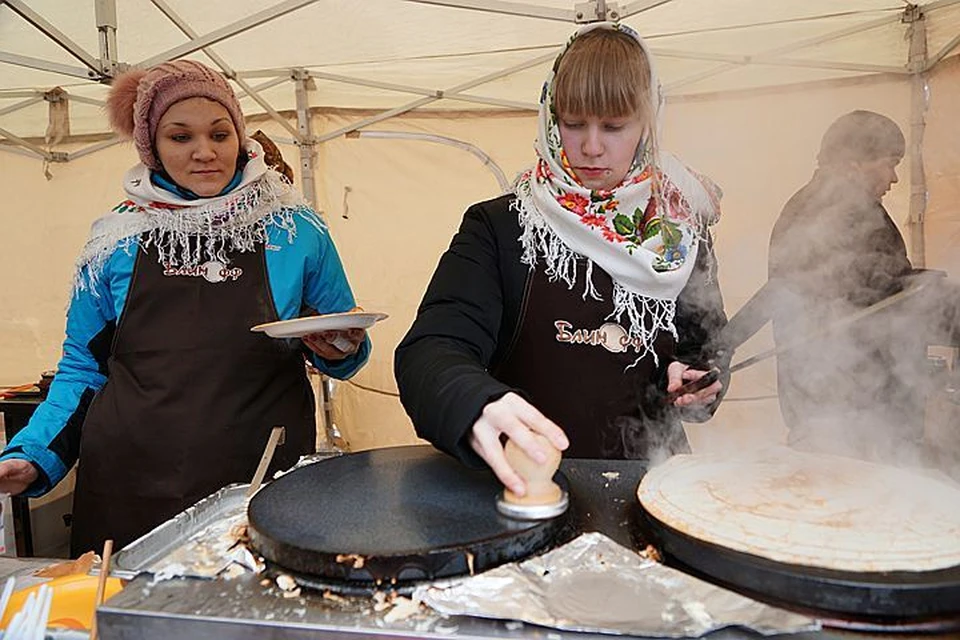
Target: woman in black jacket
[568, 307]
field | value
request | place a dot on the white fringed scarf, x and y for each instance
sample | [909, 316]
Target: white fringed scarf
[649, 253]
[188, 233]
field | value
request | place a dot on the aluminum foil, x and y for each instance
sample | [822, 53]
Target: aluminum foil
[208, 552]
[207, 540]
[198, 542]
[594, 584]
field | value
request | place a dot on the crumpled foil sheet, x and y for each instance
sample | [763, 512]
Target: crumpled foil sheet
[208, 552]
[594, 584]
[207, 540]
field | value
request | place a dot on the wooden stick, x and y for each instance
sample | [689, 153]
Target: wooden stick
[275, 434]
[101, 585]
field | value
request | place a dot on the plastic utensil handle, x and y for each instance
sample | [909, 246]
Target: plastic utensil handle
[693, 386]
[342, 344]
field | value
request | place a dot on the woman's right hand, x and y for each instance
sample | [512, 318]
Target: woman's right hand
[16, 475]
[517, 419]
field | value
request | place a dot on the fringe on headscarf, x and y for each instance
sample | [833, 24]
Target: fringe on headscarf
[646, 316]
[186, 237]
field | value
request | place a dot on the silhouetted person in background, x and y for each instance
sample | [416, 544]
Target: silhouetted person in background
[857, 391]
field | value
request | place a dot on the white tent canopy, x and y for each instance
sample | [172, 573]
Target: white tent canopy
[398, 55]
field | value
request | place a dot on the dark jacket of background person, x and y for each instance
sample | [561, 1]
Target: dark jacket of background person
[838, 251]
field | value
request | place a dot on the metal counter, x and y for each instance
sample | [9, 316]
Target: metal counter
[242, 608]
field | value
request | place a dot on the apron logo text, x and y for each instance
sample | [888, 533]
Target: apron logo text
[212, 271]
[610, 336]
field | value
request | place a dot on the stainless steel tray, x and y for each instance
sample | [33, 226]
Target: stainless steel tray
[172, 538]
[196, 538]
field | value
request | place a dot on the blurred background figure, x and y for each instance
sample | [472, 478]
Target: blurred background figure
[272, 155]
[836, 251]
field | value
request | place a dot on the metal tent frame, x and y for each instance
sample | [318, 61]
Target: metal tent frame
[102, 67]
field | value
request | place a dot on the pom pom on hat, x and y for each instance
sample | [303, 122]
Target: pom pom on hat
[123, 95]
[138, 99]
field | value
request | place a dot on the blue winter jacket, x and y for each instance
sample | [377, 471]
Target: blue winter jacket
[305, 275]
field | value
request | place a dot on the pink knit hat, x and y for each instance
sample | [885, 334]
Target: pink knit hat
[139, 98]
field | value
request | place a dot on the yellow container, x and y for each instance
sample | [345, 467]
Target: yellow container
[72, 604]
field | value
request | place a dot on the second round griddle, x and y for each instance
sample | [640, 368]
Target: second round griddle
[781, 525]
[390, 516]
[890, 598]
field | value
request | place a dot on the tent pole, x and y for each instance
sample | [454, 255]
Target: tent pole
[41, 24]
[744, 60]
[789, 48]
[79, 153]
[266, 85]
[639, 6]
[220, 62]
[507, 8]
[410, 106]
[21, 105]
[230, 30]
[20, 151]
[306, 144]
[389, 86]
[472, 149]
[43, 153]
[106, 13]
[44, 65]
[914, 17]
[385, 115]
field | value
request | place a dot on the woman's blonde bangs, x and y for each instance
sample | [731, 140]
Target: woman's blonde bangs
[603, 73]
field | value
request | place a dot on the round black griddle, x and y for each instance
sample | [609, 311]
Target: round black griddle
[896, 599]
[389, 518]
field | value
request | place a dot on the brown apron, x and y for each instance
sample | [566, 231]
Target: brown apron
[190, 399]
[572, 363]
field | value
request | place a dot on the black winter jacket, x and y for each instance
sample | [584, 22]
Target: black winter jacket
[470, 314]
[837, 251]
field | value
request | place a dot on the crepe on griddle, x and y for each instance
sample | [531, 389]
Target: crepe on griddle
[810, 509]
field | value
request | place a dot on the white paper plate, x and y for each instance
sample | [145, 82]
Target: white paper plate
[299, 327]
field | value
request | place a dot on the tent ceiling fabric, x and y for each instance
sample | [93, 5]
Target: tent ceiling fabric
[355, 49]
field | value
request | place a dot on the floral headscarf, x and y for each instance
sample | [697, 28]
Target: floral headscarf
[644, 233]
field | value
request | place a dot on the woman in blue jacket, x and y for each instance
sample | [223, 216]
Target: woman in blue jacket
[163, 392]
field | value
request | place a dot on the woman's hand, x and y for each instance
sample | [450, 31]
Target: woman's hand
[517, 419]
[335, 345]
[16, 475]
[678, 374]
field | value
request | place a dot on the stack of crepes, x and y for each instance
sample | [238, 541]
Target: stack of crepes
[809, 509]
